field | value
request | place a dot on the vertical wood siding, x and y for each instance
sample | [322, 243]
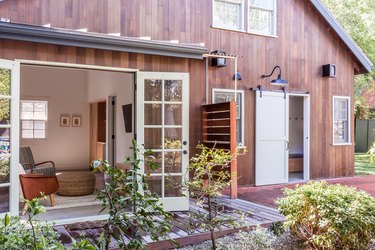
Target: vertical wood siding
[304, 43]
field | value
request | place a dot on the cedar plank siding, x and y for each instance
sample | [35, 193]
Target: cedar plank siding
[304, 43]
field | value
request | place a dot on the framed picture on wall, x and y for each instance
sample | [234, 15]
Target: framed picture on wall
[76, 121]
[64, 121]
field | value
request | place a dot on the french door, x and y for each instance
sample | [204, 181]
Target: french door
[163, 126]
[9, 137]
[271, 139]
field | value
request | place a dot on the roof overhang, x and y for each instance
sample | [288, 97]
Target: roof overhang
[366, 65]
[40, 34]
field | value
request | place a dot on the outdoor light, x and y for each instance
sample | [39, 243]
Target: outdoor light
[237, 76]
[219, 61]
[279, 80]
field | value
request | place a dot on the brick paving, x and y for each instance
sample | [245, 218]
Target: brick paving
[266, 195]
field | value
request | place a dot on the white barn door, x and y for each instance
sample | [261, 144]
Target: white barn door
[9, 137]
[271, 139]
[163, 126]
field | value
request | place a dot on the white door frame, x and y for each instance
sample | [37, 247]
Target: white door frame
[15, 174]
[169, 203]
[306, 134]
[14, 136]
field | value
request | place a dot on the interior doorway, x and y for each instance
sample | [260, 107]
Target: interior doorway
[66, 116]
[296, 144]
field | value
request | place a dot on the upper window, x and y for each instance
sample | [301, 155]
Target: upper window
[341, 120]
[262, 17]
[34, 115]
[228, 14]
[226, 95]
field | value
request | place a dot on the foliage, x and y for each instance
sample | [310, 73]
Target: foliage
[371, 153]
[363, 164]
[257, 239]
[32, 234]
[361, 109]
[4, 90]
[358, 19]
[132, 207]
[4, 170]
[209, 176]
[329, 216]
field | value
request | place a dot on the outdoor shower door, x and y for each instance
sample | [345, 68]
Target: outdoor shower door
[163, 126]
[9, 136]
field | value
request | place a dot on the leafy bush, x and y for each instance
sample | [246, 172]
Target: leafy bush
[131, 205]
[30, 234]
[329, 216]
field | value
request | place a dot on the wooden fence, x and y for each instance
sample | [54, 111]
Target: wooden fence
[219, 131]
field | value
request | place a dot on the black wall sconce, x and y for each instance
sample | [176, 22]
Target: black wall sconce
[329, 70]
[219, 62]
[279, 81]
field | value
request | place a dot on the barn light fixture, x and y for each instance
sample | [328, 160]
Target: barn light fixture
[279, 80]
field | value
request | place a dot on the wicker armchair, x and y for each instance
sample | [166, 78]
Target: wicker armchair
[28, 163]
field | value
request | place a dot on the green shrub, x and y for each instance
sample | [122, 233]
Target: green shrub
[329, 216]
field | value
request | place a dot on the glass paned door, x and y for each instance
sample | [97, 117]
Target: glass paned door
[162, 126]
[9, 136]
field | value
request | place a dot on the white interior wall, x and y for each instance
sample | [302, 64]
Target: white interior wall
[66, 93]
[295, 125]
[102, 84]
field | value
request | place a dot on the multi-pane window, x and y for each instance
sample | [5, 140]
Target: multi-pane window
[262, 17]
[34, 116]
[228, 14]
[341, 120]
[226, 95]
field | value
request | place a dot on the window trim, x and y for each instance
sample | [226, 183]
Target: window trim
[242, 93]
[34, 99]
[274, 33]
[225, 27]
[333, 121]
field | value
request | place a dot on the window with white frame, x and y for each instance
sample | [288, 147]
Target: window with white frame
[262, 17]
[341, 119]
[34, 116]
[226, 95]
[228, 14]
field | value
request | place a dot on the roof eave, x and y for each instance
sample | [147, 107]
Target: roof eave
[39, 34]
[365, 62]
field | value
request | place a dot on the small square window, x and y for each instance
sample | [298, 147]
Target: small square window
[228, 14]
[34, 116]
[262, 17]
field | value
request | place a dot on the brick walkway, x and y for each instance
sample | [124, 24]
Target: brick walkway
[266, 195]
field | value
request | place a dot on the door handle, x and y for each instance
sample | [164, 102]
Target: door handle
[287, 145]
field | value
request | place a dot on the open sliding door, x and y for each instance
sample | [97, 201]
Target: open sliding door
[272, 146]
[9, 136]
[163, 126]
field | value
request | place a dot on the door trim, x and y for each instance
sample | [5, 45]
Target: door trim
[306, 134]
[169, 203]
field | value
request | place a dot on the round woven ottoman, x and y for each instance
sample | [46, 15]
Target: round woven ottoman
[76, 183]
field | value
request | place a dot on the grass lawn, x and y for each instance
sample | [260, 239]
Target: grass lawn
[363, 166]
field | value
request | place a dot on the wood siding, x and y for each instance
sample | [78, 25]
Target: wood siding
[304, 43]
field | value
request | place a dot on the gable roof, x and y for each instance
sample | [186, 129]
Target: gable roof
[367, 65]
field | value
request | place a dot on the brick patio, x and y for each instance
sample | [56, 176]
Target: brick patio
[266, 195]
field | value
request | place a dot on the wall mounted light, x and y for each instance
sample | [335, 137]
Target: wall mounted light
[237, 76]
[329, 70]
[279, 81]
[219, 62]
